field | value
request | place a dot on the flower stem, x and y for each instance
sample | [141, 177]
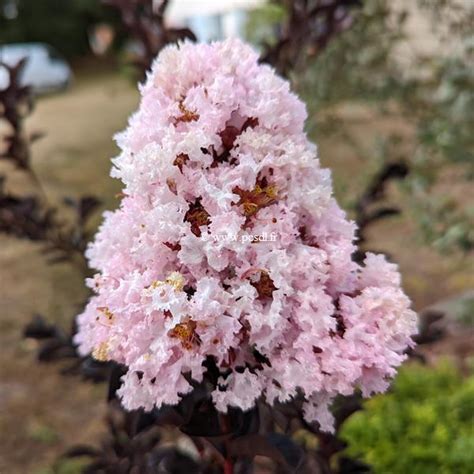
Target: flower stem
[228, 467]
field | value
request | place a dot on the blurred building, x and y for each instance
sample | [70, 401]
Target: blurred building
[212, 19]
[427, 35]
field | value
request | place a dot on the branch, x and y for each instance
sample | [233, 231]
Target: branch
[146, 23]
[375, 193]
[308, 29]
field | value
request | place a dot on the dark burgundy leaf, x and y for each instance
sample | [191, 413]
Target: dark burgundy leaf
[306, 30]
[352, 466]
[276, 446]
[81, 450]
[116, 373]
[38, 328]
[95, 370]
[169, 460]
[144, 20]
[87, 205]
[55, 349]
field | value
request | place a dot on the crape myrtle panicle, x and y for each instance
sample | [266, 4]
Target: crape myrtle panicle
[217, 149]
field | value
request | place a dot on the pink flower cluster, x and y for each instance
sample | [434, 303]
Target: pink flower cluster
[217, 148]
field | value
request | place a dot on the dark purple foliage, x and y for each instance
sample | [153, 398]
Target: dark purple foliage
[308, 28]
[144, 21]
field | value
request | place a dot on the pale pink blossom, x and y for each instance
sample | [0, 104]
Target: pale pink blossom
[215, 154]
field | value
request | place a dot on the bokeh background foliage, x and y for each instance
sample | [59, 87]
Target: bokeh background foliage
[372, 64]
[66, 25]
[424, 425]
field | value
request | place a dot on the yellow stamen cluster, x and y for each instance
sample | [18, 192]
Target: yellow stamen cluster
[186, 115]
[186, 333]
[101, 352]
[174, 279]
[197, 216]
[270, 191]
[259, 197]
[106, 312]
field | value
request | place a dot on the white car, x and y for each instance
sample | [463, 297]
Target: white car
[45, 70]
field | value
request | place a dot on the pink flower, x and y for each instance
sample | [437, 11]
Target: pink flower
[217, 155]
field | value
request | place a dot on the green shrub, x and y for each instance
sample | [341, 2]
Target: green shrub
[424, 426]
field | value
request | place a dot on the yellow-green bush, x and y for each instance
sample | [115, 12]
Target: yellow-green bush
[424, 426]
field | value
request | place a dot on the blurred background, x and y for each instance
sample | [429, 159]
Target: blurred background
[389, 91]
